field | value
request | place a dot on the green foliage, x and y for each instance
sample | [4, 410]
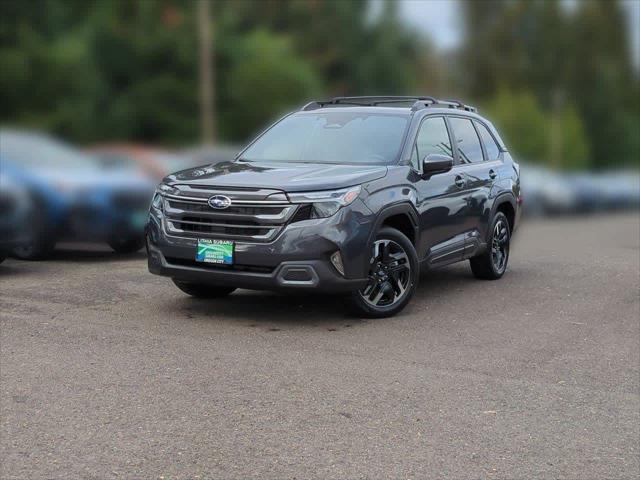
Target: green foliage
[96, 70]
[573, 141]
[127, 70]
[265, 78]
[521, 122]
[557, 139]
[582, 53]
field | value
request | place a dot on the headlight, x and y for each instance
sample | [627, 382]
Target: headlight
[162, 189]
[157, 201]
[166, 189]
[327, 202]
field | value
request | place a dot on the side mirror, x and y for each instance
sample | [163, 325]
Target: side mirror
[435, 163]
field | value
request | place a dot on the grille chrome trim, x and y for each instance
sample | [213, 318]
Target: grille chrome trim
[262, 218]
[250, 217]
[233, 201]
[225, 225]
[270, 233]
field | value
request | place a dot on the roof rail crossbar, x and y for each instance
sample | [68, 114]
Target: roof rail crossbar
[376, 99]
[419, 102]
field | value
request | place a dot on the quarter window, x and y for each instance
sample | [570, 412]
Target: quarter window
[490, 145]
[433, 137]
[468, 142]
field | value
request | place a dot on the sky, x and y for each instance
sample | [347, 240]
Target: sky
[440, 19]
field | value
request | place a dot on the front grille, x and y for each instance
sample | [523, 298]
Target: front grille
[204, 207]
[253, 215]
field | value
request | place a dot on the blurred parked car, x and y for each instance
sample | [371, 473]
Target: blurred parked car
[210, 155]
[620, 190]
[154, 162]
[71, 196]
[548, 192]
[545, 192]
[14, 208]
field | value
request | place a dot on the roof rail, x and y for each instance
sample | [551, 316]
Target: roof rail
[419, 102]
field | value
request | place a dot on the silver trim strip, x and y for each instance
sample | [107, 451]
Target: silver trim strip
[223, 225]
[233, 202]
[236, 238]
[179, 212]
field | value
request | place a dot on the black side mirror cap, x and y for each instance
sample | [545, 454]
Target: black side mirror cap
[435, 163]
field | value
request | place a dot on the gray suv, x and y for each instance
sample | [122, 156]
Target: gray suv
[354, 195]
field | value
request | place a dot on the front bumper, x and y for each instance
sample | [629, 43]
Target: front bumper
[312, 274]
[297, 259]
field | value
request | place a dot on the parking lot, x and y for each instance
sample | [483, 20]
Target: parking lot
[110, 372]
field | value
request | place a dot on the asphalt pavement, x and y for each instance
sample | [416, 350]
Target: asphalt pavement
[109, 372]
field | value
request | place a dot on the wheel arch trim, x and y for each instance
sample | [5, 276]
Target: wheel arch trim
[402, 208]
[501, 199]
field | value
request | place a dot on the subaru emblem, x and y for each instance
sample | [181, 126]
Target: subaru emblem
[219, 202]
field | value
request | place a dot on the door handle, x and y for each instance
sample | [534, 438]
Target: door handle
[459, 181]
[492, 174]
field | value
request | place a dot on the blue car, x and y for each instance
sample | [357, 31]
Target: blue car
[14, 209]
[71, 196]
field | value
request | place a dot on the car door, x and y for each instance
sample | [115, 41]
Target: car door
[475, 175]
[495, 168]
[441, 202]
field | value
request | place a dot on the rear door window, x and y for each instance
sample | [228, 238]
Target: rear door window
[469, 147]
[490, 145]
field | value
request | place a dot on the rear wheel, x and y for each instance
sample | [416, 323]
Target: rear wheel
[126, 245]
[200, 290]
[393, 276]
[492, 264]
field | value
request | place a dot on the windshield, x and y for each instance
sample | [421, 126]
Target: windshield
[331, 137]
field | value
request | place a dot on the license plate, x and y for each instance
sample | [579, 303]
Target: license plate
[214, 251]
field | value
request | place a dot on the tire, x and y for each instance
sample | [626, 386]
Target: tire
[394, 275]
[3, 257]
[38, 248]
[126, 245]
[200, 290]
[492, 264]
[40, 236]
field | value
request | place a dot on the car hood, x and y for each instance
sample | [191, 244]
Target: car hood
[290, 177]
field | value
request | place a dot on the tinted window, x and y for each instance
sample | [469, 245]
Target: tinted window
[468, 141]
[490, 145]
[335, 137]
[433, 137]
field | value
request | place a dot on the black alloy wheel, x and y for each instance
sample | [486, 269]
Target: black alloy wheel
[492, 264]
[392, 279]
[500, 246]
[390, 274]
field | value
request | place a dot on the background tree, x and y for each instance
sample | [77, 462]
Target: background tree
[101, 70]
[577, 64]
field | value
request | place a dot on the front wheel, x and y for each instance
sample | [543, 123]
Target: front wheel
[39, 247]
[393, 276]
[200, 290]
[492, 264]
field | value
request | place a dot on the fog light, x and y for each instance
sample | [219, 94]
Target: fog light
[336, 260]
